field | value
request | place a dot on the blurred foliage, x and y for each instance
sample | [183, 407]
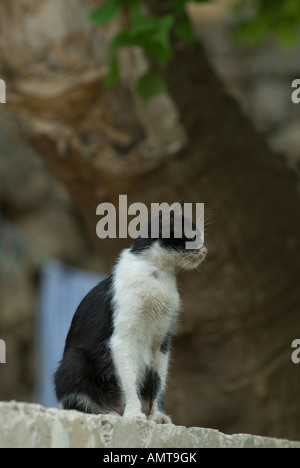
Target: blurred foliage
[256, 19]
[259, 19]
[152, 34]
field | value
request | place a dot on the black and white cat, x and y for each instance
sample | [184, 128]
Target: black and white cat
[117, 351]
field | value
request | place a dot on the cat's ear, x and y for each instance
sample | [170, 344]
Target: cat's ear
[181, 203]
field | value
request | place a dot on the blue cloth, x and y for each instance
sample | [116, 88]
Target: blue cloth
[62, 289]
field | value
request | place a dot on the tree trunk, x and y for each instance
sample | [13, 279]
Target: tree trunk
[232, 367]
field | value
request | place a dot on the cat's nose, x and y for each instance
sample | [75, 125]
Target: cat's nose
[204, 251]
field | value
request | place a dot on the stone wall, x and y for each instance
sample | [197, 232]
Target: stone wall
[32, 426]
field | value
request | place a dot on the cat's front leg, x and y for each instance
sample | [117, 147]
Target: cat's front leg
[157, 410]
[126, 361]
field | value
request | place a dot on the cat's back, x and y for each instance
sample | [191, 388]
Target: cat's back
[93, 317]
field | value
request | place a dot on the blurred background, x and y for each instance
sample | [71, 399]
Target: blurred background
[202, 111]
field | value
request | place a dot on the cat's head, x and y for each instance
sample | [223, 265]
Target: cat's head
[173, 239]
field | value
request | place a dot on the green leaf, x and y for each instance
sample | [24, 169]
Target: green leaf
[133, 3]
[164, 25]
[107, 12]
[142, 23]
[178, 5]
[150, 85]
[157, 40]
[145, 23]
[161, 52]
[113, 76]
[149, 33]
[120, 40]
[184, 30]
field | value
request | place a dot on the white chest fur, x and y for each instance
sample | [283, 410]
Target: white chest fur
[146, 303]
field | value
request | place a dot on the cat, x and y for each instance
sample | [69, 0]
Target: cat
[117, 351]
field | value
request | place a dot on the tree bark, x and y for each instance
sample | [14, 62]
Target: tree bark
[232, 367]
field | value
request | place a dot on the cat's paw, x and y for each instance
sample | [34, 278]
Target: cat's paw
[160, 418]
[135, 415]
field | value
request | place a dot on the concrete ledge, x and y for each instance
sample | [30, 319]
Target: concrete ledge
[32, 426]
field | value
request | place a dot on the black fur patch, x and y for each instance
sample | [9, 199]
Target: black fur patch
[166, 344]
[171, 243]
[75, 404]
[150, 386]
[87, 366]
